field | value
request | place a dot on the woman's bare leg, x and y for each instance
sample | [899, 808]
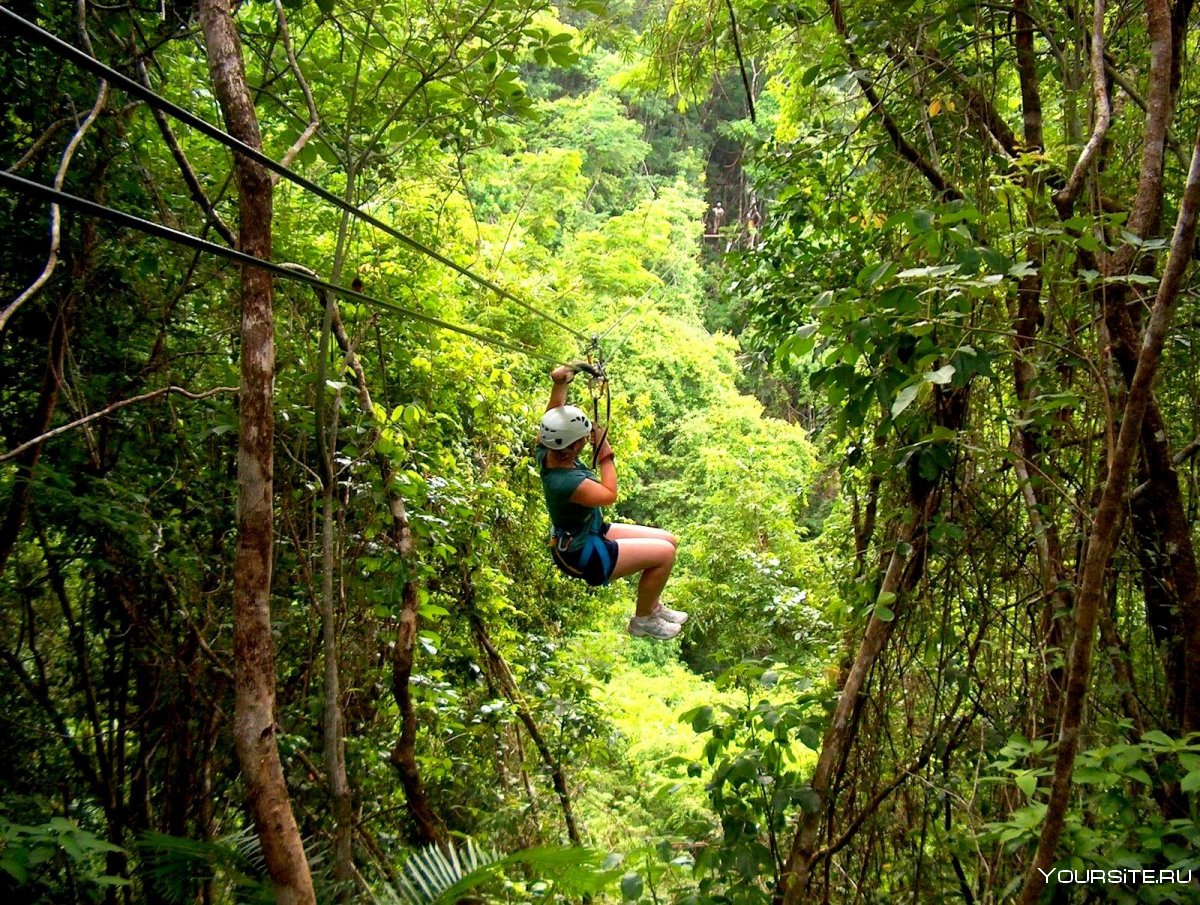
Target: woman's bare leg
[617, 532]
[653, 557]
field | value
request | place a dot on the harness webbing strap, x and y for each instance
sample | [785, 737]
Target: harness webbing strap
[594, 544]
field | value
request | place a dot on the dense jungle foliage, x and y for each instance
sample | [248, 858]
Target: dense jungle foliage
[896, 304]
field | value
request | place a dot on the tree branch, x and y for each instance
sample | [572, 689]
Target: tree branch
[51, 130]
[902, 145]
[1065, 197]
[979, 106]
[314, 119]
[1130, 89]
[108, 410]
[55, 215]
[185, 166]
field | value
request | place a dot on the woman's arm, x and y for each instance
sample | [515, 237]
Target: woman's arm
[604, 491]
[558, 393]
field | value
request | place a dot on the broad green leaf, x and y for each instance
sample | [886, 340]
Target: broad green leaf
[941, 376]
[904, 399]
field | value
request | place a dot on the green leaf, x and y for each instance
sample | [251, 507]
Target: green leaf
[809, 737]
[432, 611]
[870, 275]
[631, 887]
[996, 261]
[1027, 783]
[701, 718]
[884, 614]
[111, 880]
[1158, 739]
[942, 375]
[13, 868]
[904, 399]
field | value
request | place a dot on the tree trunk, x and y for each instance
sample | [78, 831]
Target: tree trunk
[905, 567]
[430, 828]
[333, 745]
[1103, 535]
[254, 646]
[1171, 580]
[513, 693]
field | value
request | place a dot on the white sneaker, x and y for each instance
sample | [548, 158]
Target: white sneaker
[652, 627]
[665, 613]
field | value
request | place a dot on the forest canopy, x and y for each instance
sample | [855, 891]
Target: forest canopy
[889, 311]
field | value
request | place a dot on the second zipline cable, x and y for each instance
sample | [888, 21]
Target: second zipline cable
[120, 218]
[69, 52]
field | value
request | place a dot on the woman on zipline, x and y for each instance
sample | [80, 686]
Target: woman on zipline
[583, 544]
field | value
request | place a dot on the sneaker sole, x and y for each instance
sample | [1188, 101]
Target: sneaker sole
[638, 633]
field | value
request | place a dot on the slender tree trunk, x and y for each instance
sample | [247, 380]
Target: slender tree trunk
[1104, 530]
[1056, 597]
[513, 693]
[254, 646]
[905, 567]
[840, 734]
[1171, 578]
[334, 745]
[430, 828]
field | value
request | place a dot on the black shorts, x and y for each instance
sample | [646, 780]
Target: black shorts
[595, 571]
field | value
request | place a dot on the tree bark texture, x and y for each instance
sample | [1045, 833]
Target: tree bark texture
[254, 646]
[1171, 579]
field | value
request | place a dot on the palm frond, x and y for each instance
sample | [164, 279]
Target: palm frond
[432, 876]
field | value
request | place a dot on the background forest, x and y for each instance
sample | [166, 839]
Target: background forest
[896, 304]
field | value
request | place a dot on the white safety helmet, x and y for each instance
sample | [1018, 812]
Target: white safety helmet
[562, 426]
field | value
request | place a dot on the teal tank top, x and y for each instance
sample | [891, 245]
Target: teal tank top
[558, 484]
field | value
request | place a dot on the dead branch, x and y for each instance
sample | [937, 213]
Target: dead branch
[51, 130]
[185, 167]
[314, 119]
[108, 410]
[55, 215]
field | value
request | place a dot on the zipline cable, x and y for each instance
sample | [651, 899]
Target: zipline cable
[624, 314]
[619, 344]
[129, 221]
[39, 35]
[669, 275]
